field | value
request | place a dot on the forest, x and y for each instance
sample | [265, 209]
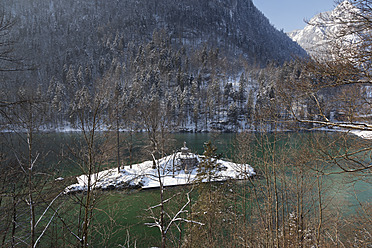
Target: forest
[81, 96]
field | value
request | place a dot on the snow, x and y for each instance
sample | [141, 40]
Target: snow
[143, 175]
[363, 134]
[314, 37]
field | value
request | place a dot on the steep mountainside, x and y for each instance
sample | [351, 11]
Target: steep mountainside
[316, 35]
[52, 33]
[195, 64]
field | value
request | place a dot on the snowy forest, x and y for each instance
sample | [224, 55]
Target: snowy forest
[88, 86]
[206, 73]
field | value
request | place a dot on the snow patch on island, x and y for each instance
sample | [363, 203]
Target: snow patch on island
[363, 134]
[173, 172]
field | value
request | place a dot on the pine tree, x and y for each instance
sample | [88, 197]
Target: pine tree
[210, 208]
[208, 167]
[233, 114]
[241, 93]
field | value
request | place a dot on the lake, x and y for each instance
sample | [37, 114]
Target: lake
[343, 192]
[56, 149]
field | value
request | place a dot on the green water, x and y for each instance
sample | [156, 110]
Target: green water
[345, 190]
[56, 151]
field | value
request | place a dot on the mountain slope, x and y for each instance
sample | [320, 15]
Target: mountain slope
[314, 38]
[52, 33]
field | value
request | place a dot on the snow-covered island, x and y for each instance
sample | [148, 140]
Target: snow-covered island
[180, 168]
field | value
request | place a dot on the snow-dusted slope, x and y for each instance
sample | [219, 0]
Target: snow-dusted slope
[171, 173]
[315, 36]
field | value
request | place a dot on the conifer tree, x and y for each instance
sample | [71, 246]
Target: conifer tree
[211, 205]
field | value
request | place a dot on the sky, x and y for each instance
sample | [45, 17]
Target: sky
[290, 14]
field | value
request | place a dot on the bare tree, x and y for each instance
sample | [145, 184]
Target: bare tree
[333, 91]
[214, 206]
[33, 188]
[172, 211]
[336, 89]
[88, 110]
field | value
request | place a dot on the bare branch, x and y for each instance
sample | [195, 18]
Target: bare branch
[50, 204]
